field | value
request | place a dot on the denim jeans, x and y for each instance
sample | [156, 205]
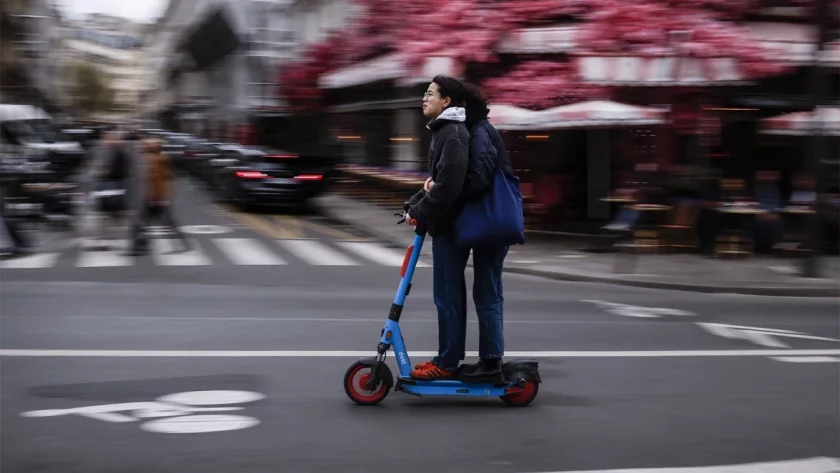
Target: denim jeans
[449, 262]
[489, 300]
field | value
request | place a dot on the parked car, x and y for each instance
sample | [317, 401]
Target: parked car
[32, 129]
[197, 157]
[247, 176]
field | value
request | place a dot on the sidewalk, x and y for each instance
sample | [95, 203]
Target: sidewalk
[565, 260]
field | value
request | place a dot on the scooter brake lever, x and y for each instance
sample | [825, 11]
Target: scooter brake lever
[400, 215]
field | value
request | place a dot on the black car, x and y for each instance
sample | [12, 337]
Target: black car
[262, 176]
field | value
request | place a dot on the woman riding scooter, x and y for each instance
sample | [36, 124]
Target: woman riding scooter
[436, 211]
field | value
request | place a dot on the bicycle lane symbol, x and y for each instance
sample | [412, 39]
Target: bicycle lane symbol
[177, 413]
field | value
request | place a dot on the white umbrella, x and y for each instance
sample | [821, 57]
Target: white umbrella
[804, 123]
[591, 114]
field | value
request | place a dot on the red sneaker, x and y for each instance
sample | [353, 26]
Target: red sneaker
[430, 372]
[423, 365]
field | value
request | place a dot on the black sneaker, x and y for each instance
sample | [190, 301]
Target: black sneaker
[482, 371]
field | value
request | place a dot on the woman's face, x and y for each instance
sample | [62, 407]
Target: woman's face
[433, 104]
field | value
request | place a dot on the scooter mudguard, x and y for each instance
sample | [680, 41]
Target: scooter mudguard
[525, 369]
[383, 371]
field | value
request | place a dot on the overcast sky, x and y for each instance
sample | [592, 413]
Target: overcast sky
[144, 11]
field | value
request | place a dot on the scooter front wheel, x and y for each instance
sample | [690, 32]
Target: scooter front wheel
[354, 385]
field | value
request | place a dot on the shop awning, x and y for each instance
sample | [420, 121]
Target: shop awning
[509, 117]
[788, 42]
[804, 123]
[830, 56]
[541, 40]
[592, 114]
[794, 43]
[658, 71]
[387, 67]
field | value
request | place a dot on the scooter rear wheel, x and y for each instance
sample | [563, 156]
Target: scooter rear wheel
[523, 397]
[354, 385]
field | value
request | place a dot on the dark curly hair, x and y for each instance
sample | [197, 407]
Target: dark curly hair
[450, 87]
[476, 104]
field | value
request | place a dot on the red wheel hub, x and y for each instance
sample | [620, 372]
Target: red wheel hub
[356, 382]
[363, 380]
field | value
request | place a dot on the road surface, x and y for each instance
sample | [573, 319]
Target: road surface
[106, 364]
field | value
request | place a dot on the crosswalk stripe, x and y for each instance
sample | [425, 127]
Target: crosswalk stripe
[42, 260]
[239, 251]
[246, 251]
[316, 253]
[378, 253]
[91, 258]
[163, 254]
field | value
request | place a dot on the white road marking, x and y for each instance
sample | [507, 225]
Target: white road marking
[211, 398]
[807, 359]
[173, 413]
[112, 257]
[316, 253]
[163, 249]
[378, 253]
[324, 319]
[247, 251]
[358, 353]
[637, 311]
[205, 229]
[758, 335]
[42, 260]
[807, 465]
[199, 424]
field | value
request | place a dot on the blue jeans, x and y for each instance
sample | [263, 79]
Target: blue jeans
[449, 262]
[489, 300]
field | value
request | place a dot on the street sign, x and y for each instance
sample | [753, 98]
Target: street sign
[637, 311]
[173, 413]
[758, 335]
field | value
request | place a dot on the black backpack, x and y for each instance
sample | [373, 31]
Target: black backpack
[118, 166]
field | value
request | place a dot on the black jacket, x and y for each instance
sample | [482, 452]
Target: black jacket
[487, 150]
[437, 209]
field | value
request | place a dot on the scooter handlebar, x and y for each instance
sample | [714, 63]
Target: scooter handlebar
[418, 229]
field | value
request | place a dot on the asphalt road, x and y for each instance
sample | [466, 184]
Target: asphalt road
[665, 380]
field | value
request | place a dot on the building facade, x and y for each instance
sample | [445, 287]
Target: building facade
[31, 47]
[217, 62]
[115, 47]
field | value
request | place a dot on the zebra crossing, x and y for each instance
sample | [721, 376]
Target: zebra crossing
[215, 251]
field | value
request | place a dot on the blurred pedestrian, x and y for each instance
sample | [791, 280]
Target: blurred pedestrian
[768, 226]
[111, 187]
[17, 242]
[435, 209]
[157, 198]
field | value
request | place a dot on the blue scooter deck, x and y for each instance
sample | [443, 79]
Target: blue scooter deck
[449, 387]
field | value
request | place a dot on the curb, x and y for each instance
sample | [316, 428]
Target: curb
[615, 280]
[743, 290]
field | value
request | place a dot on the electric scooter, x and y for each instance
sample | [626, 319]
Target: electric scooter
[369, 379]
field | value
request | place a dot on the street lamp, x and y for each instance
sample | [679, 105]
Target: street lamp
[816, 146]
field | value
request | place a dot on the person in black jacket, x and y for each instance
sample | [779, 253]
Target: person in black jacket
[435, 208]
[487, 152]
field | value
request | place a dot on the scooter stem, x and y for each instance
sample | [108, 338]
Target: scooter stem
[405, 281]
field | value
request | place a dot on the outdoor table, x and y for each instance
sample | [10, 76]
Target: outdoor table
[736, 225]
[651, 207]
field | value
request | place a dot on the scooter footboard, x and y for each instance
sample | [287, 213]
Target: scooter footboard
[524, 369]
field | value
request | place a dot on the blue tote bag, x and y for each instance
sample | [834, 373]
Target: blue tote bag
[496, 219]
